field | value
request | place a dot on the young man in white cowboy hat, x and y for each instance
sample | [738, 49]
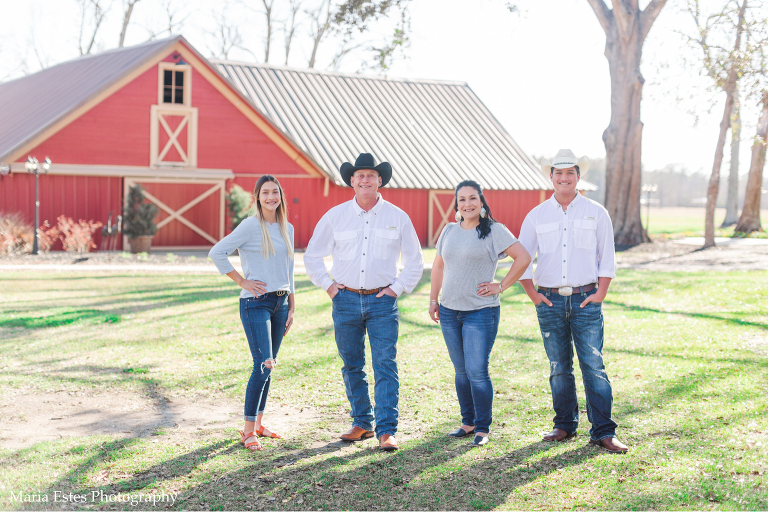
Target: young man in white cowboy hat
[573, 238]
[367, 236]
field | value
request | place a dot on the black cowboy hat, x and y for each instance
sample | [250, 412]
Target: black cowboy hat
[366, 161]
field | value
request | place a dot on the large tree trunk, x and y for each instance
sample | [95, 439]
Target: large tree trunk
[750, 214]
[623, 139]
[732, 203]
[626, 27]
[714, 178]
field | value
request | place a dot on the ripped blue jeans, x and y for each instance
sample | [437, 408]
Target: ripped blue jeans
[264, 320]
[565, 325]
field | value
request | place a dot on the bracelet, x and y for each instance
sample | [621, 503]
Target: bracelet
[433, 302]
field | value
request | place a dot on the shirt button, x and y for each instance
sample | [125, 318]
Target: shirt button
[362, 271]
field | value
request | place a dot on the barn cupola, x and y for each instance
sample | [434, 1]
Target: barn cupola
[173, 122]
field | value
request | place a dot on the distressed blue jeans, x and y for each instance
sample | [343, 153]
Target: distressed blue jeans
[469, 336]
[565, 325]
[264, 320]
[353, 316]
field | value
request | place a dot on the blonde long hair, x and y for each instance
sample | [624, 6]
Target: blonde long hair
[281, 214]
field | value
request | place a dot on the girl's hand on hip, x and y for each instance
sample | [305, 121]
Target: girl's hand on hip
[289, 322]
[434, 312]
[255, 287]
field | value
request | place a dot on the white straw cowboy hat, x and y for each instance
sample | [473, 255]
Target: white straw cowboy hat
[563, 160]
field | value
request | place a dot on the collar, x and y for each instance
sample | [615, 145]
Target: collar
[571, 205]
[359, 211]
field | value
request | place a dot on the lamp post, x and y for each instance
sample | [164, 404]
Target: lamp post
[37, 168]
[648, 188]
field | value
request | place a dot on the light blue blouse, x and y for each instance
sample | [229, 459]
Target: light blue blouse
[276, 271]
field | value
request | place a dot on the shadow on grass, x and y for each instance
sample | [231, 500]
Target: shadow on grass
[707, 316]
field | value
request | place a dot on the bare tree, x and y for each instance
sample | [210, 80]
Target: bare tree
[291, 25]
[175, 17]
[92, 14]
[626, 27]
[320, 27]
[750, 214]
[732, 201]
[354, 17]
[127, 12]
[341, 53]
[270, 25]
[724, 65]
[226, 35]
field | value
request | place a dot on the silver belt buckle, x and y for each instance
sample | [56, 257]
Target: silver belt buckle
[565, 291]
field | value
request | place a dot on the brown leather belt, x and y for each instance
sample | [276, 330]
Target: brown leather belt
[576, 289]
[364, 292]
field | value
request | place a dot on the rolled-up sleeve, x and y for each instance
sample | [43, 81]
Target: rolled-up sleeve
[529, 241]
[412, 258]
[320, 246]
[606, 250]
[227, 246]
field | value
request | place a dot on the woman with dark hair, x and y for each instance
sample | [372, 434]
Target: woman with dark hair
[468, 253]
[265, 244]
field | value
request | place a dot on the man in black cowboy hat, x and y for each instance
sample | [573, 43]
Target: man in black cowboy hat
[367, 236]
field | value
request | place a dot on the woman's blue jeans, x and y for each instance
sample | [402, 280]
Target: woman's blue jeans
[469, 336]
[566, 325]
[264, 320]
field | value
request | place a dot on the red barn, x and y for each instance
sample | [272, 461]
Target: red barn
[187, 129]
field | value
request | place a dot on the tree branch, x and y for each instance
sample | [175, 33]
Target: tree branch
[603, 13]
[649, 15]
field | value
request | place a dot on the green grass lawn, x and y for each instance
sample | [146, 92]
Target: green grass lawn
[688, 221]
[686, 353]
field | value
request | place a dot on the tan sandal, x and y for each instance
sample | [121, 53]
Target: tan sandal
[273, 435]
[244, 436]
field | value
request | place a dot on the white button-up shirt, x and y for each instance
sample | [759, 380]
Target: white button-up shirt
[574, 246]
[365, 247]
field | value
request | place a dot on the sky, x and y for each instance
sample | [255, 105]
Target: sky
[541, 72]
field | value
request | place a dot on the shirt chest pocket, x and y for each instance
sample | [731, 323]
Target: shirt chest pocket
[345, 244]
[585, 234]
[385, 242]
[547, 236]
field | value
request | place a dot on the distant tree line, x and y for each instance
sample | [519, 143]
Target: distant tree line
[677, 186]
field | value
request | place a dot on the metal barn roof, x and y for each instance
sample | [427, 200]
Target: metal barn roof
[435, 134]
[30, 104]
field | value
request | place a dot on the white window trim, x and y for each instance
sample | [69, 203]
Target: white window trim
[187, 69]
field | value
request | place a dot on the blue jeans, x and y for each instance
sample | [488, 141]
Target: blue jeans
[562, 322]
[469, 336]
[264, 320]
[353, 316]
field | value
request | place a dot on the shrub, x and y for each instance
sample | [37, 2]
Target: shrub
[15, 235]
[47, 235]
[77, 237]
[238, 204]
[138, 216]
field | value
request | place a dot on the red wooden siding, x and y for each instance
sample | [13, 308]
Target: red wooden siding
[508, 206]
[511, 206]
[78, 197]
[204, 215]
[114, 132]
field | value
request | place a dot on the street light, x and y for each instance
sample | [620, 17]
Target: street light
[36, 168]
[648, 188]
